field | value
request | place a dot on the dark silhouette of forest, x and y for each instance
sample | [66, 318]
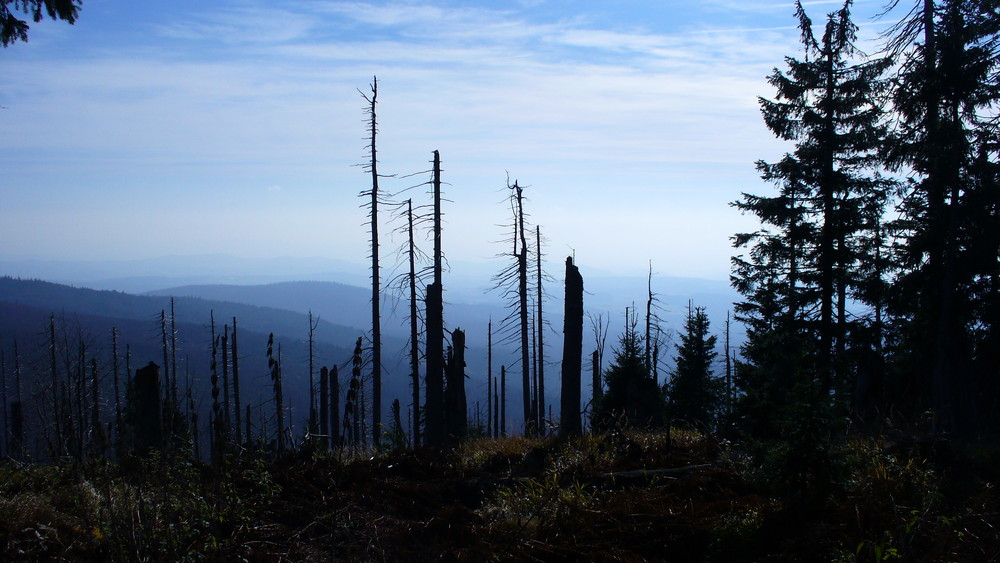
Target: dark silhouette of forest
[858, 421]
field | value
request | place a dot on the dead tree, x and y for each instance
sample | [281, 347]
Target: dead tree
[414, 328]
[572, 353]
[522, 295]
[274, 366]
[539, 326]
[173, 356]
[372, 205]
[17, 411]
[456, 416]
[503, 401]
[513, 281]
[335, 430]
[226, 404]
[434, 380]
[324, 409]
[217, 431]
[409, 283]
[234, 348]
[489, 379]
[146, 409]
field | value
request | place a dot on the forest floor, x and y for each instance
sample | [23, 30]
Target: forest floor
[628, 496]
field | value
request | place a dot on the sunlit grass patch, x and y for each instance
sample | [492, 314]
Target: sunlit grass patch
[494, 454]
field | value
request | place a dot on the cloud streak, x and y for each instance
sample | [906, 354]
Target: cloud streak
[254, 93]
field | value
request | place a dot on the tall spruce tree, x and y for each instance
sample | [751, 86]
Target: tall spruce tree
[803, 265]
[944, 298]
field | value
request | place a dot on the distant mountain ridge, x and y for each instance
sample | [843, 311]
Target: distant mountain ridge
[116, 304]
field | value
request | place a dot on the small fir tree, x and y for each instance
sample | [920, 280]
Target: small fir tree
[693, 394]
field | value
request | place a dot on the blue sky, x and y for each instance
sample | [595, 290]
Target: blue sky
[235, 126]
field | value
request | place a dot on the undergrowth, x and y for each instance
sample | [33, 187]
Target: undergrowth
[626, 495]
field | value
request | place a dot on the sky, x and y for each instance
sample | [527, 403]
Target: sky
[238, 126]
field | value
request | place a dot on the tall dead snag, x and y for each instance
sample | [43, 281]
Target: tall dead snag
[17, 411]
[274, 366]
[324, 409]
[313, 427]
[216, 426]
[414, 328]
[729, 374]
[503, 401]
[489, 379]
[98, 442]
[235, 350]
[434, 406]
[522, 296]
[373, 194]
[572, 361]
[118, 402]
[226, 404]
[146, 409]
[173, 356]
[398, 436]
[351, 428]
[57, 445]
[5, 440]
[539, 326]
[335, 430]
[513, 282]
[647, 357]
[456, 417]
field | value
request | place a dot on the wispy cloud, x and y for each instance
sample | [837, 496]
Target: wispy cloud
[264, 94]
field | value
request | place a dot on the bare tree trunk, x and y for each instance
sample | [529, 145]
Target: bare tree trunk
[226, 405]
[572, 361]
[649, 319]
[335, 407]
[324, 409]
[414, 328]
[118, 397]
[503, 401]
[540, 322]
[522, 292]
[215, 421]
[173, 356]
[457, 417]
[97, 440]
[149, 425]
[434, 405]
[5, 446]
[236, 382]
[59, 442]
[279, 408]
[312, 384]
[489, 379]
[376, 317]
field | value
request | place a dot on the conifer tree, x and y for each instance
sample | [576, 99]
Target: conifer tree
[944, 298]
[632, 398]
[803, 263]
[693, 394]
